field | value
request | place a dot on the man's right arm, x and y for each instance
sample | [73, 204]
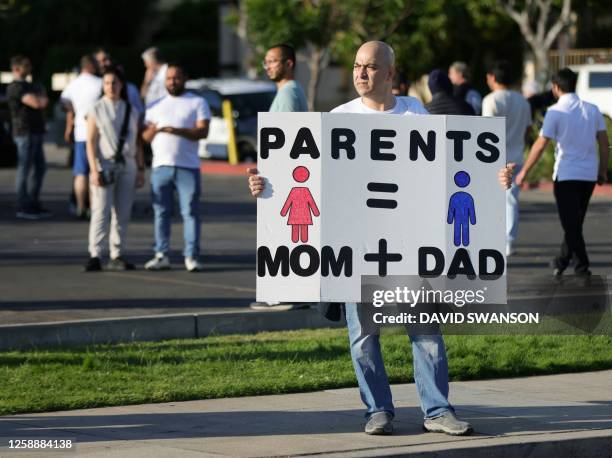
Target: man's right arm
[149, 132]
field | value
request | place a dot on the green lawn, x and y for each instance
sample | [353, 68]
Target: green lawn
[279, 362]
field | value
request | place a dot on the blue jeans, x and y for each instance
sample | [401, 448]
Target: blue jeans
[429, 362]
[512, 208]
[30, 156]
[164, 180]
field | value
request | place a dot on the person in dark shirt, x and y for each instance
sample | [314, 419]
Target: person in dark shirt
[400, 85]
[443, 101]
[458, 73]
[27, 103]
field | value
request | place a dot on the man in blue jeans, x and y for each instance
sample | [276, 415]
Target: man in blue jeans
[373, 73]
[174, 125]
[27, 103]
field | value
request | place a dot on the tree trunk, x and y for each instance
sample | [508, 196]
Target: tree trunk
[541, 65]
[316, 65]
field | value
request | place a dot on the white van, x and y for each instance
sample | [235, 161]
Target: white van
[595, 85]
[248, 98]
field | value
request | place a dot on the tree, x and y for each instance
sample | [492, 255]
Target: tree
[540, 38]
[323, 29]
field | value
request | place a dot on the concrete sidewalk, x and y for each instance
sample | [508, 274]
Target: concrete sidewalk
[558, 415]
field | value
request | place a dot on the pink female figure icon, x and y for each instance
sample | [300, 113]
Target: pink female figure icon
[301, 206]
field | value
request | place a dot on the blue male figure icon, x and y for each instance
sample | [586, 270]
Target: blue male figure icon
[461, 210]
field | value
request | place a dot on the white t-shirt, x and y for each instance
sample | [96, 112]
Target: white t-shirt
[182, 112]
[157, 87]
[81, 94]
[574, 124]
[403, 105]
[516, 110]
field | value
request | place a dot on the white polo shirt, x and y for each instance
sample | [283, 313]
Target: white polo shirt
[574, 124]
[182, 112]
[81, 94]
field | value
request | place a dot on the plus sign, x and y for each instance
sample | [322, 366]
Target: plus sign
[382, 257]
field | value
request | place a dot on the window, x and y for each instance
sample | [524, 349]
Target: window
[600, 80]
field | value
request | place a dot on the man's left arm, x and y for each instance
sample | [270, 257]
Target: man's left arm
[200, 130]
[196, 133]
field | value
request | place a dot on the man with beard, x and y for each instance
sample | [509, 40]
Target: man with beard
[174, 125]
[279, 65]
[373, 73]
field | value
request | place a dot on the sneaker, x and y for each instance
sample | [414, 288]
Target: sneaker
[119, 264]
[42, 211]
[279, 306]
[379, 424]
[448, 424]
[193, 265]
[83, 214]
[557, 273]
[93, 265]
[27, 214]
[159, 262]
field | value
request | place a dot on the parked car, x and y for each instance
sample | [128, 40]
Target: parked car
[595, 85]
[248, 97]
[8, 150]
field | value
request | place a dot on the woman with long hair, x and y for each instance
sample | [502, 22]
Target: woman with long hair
[116, 161]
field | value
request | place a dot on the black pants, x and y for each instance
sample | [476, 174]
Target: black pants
[572, 198]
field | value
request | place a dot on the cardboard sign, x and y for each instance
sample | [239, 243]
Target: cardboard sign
[355, 195]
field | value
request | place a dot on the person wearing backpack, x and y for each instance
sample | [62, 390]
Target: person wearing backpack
[116, 161]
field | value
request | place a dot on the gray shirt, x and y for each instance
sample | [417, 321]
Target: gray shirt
[516, 110]
[290, 97]
[109, 120]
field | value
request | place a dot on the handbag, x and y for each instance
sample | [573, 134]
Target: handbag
[109, 175]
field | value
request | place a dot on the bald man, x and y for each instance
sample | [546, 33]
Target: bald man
[373, 73]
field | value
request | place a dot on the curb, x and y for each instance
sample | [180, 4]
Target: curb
[209, 167]
[595, 443]
[155, 328]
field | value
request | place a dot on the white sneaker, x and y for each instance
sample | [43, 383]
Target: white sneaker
[159, 262]
[510, 251]
[193, 265]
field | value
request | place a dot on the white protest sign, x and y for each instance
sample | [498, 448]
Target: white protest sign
[352, 195]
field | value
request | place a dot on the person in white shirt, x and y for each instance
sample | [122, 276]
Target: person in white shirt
[373, 73]
[154, 83]
[579, 129]
[174, 125]
[78, 98]
[512, 106]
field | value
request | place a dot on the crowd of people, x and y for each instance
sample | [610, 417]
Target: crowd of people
[111, 121]
[109, 127]
[182, 119]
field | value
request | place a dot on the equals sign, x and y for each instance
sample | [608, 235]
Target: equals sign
[382, 203]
